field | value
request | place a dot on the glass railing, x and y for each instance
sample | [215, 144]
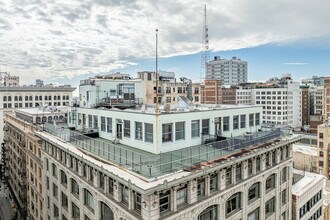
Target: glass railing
[152, 165]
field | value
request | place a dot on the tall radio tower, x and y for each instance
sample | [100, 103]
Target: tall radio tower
[205, 49]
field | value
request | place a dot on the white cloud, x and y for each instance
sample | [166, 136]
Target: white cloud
[63, 39]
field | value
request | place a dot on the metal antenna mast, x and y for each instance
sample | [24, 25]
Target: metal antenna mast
[205, 49]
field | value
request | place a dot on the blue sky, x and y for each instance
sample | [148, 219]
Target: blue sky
[65, 41]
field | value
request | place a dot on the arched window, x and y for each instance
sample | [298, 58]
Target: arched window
[44, 119]
[46, 97]
[30, 97]
[209, 213]
[36, 98]
[16, 98]
[26, 98]
[67, 97]
[55, 97]
[270, 182]
[61, 117]
[5, 98]
[233, 204]
[55, 117]
[50, 119]
[74, 188]
[89, 199]
[49, 97]
[106, 212]
[254, 192]
[9, 98]
[40, 97]
[58, 97]
[20, 98]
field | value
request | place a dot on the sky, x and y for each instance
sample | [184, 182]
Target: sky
[66, 41]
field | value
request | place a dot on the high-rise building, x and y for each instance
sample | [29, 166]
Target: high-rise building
[305, 106]
[39, 83]
[22, 157]
[11, 81]
[230, 72]
[213, 92]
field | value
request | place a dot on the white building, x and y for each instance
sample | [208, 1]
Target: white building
[307, 195]
[243, 96]
[94, 178]
[230, 72]
[28, 97]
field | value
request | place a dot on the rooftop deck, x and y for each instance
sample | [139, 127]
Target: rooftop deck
[154, 165]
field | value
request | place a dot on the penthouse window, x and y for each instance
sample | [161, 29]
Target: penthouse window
[226, 126]
[233, 204]
[148, 132]
[109, 125]
[90, 121]
[205, 126]
[235, 122]
[138, 131]
[180, 130]
[102, 123]
[167, 135]
[127, 128]
[251, 120]
[88, 200]
[195, 131]
[95, 121]
[257, 119]
[164, 201]
[243, 122]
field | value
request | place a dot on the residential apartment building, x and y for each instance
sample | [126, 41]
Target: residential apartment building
[230, 72]
[169, 88]
[29, 97]
[168, 165]
[243, 96]
[307, 195]
[305, 106]
[23, 158]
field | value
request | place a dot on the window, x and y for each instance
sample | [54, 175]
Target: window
[213, 182]
[55, 191]
[137, 201]
[127, 128]
[243, 117]
[64, 179]
[106, 212]
[167, 133]
[88, 200]
[102, 123]
[90, 121]
[205, 126]
[64, 200]
[138, 131]
[250, 167]
[56, 212]
[270, 182]
[226, 126]
[254, 192]
[233, 204]
[75, 211]
[111, 184]
[148, 130]
[209, 214]
[251, 120]
[180, 130]
[200, 187]
[124, 196]
[109, 125]
[321, 135]
[181, 196]
[284, 174]
[270, 207]
[195, 128]
[74, 188]
[235, 122]
[164, 201]
[95, 121]
[284, 197]
[54, 170]
[238, 172]
[254, 215]
[228, 176]
[149, 76]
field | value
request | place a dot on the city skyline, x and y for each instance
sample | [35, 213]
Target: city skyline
[63, 43]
